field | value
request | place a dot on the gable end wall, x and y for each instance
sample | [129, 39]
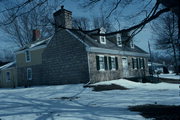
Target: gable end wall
[65, 60]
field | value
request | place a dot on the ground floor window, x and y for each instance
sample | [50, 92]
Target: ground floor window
[138, 63]
[100, 62]
[113, 63]
[134, 63]
[8, 76]
[141, 62]
[29, 73]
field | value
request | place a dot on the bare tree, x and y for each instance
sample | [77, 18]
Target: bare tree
[111, 6]
[166, 36]
[81, 23]
[20, 29]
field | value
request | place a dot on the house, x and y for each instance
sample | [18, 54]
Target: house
[75, 56]
[29, 61]
[8, 77]
[157, 68]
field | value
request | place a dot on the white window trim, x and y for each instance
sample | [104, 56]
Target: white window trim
[102, 31]
[29, 56]
[8, 80]
[102, 42]
[117, 36]
[135, 67]
[27, 73]
[113, 69]
[100, 69]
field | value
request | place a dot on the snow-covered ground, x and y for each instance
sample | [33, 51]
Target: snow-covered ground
[44, 103]
[169, 76]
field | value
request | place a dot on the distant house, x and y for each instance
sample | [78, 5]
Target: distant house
[76, 56]
[29, 61]
[8, 77]
[155, 68]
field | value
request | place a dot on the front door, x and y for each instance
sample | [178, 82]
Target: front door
[125, 67]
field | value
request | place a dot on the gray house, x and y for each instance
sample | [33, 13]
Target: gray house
[76, 56]
[73, 56]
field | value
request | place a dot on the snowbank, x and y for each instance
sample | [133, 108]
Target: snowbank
[131, 84]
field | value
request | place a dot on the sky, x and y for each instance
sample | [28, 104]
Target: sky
[141, 39]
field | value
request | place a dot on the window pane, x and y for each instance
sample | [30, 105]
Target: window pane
[101, 63]
[113, 63]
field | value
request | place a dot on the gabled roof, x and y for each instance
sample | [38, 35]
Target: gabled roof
[11, 64]
[36, 44]
[85, 37]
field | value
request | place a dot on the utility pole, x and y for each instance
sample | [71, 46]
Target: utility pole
[152, 67]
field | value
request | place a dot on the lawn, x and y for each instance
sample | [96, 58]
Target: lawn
[74, 102]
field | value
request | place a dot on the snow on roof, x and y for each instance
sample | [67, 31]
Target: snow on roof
[11, 64]
[42, 42]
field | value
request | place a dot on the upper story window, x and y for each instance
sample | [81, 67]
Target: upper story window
[27, 56]
[102, 38]
[132, 44]
[119, 40]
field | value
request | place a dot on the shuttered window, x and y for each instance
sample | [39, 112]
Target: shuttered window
[100, 62]
[113, 63]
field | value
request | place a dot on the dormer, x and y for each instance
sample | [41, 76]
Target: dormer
[127, 38]
[102, 39]
[118, 40]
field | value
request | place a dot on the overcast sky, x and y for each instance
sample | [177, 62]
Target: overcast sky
[141, 39]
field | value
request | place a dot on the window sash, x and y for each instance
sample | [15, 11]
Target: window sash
[113, 63]
[102, 39]
[28, 57]
[119, 41]
[8, 76]
[29, 73]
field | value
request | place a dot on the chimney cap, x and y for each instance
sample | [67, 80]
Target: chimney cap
[62, 7]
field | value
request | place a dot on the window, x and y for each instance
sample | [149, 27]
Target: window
[119, 41]
[134, 63]
[113, 63]
[141, 63]
[29, 74]
[28, 56]
[132, 44]
[102, 39]
[101, 62]
[8, 76]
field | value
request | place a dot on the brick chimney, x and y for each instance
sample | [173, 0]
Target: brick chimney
[63, 18]
[36, 35]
